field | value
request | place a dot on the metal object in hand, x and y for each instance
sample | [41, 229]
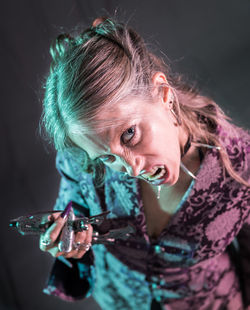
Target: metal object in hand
[38, 223]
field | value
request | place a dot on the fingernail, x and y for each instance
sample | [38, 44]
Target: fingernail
[66, 211]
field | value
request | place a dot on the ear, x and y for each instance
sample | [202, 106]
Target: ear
[159, 80]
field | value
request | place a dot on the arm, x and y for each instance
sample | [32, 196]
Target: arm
[243, 239]
[76, 282]
[69, 186]
[241, 247]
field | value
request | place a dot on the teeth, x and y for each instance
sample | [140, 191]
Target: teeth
[151, 177]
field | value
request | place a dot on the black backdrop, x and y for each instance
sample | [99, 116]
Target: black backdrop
[207, 40]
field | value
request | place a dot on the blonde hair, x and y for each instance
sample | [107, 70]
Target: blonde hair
[102, 66]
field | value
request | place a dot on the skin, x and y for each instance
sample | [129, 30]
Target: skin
[53, 233]
[146, 135]
[157, 139]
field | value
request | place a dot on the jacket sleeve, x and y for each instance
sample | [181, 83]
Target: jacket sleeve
[243, 237]
[237, 142]
[77, 282]
[243, 265]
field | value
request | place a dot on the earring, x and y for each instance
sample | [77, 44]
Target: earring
[185, 169]
[206, 145]
[176, 116]
[171, 102]
[171, 99]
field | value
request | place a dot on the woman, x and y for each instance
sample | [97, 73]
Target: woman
[133, 139]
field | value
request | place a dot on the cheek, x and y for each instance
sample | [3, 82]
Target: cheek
[168, 142]
[172, 142]
[164, 130]
[174, 169]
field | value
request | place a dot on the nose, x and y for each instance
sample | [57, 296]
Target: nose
[127, 161]
[133, 166]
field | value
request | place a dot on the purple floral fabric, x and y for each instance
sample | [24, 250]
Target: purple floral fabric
[201, 260]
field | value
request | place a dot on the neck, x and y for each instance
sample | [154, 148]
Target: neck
[190, 158]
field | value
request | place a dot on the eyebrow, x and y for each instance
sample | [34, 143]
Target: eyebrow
[106, 135]
[102, 145]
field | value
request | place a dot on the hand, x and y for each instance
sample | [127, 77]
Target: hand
[50, 239]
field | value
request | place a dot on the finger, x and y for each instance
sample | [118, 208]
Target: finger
[79, 239]
[83, 239]
[89, 234]
[51, 235]
[43, 243]
[48, 239]
[84, 242]
[53, 251]
[54, 216]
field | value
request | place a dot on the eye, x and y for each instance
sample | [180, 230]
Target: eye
[107, 158]
[128, 135]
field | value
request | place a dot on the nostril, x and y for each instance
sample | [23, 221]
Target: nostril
[132, 166]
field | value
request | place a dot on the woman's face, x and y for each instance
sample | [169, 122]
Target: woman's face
[143, 141]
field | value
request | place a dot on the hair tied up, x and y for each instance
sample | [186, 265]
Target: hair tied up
[99, 21]
[59, 47]
[112, 31]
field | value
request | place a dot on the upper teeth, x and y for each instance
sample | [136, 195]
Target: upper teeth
[150, 175]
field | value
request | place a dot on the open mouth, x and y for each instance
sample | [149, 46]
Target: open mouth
[156, 175]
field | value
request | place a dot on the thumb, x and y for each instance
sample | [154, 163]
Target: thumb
[54, 230]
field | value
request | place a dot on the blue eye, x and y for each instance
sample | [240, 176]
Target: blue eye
[128, 135]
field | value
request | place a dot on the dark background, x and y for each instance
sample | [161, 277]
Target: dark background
[207, 40]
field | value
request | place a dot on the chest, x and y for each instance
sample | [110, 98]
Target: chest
[158, 212]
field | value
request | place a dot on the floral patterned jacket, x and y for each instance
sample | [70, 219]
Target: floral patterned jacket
[201, 260]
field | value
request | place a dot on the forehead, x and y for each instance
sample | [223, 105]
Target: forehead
[110, 121]
[122, 110]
